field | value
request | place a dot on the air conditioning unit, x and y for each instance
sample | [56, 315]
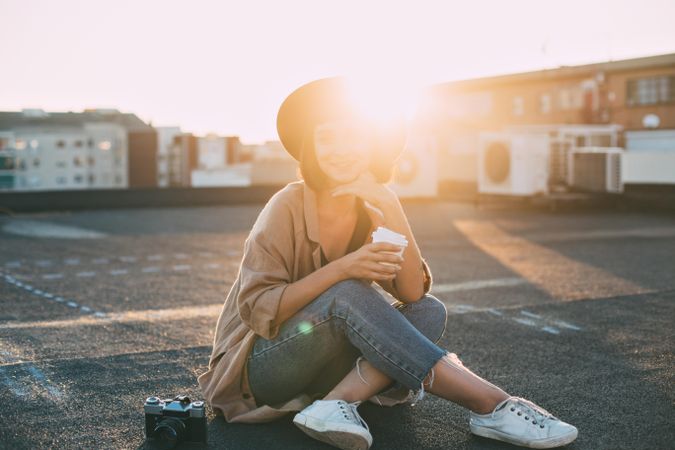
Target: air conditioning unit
[597, 169]
[416, 173]
[513, 163]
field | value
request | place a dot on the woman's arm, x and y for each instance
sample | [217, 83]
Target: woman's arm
[364, 263]
[301, 292]
[411, 282]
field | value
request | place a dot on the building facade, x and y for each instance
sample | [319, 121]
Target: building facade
[95, 149]
[630, 95]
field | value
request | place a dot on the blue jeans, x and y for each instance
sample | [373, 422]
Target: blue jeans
[316, 348]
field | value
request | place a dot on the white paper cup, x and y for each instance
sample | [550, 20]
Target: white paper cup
[383, 234]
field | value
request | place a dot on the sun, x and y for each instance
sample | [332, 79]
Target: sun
[383, 99]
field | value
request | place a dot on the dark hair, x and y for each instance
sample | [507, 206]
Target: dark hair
[381, 164]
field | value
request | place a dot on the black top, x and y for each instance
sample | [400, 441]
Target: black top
[360, 231]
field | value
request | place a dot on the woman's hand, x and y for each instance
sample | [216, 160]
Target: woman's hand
[366, 262]
[367, 187]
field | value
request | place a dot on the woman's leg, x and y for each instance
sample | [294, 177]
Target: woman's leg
[353, 311]
[311, 354]
[448, 379]
[429, 315]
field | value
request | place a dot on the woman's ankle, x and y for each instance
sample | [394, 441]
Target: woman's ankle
[488, 405]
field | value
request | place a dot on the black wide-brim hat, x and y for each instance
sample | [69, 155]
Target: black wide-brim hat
[329, 99]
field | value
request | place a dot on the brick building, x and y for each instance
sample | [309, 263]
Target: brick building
[637, 96]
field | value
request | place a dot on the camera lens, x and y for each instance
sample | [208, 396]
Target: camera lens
[169, 431]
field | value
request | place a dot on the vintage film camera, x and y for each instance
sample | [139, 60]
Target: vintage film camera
[168, 422]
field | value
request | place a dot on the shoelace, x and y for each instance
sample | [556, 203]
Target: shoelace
[350, 413]
[539, 415]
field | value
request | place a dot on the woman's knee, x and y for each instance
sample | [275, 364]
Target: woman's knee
[349, 292]
[352, 295]
[429, 315]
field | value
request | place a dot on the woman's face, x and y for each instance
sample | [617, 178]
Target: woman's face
[343, 150]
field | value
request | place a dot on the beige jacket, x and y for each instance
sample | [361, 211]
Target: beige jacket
[282, 247]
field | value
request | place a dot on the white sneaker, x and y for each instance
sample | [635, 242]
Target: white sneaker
[521, 422]
[335, 422]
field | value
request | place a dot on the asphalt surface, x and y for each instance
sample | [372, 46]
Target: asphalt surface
[572, 310]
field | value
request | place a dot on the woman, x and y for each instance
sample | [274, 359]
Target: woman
[304, 330]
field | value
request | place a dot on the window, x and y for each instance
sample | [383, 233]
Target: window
[61, 164]
[36, 162]
[650, 91]
[20, 144]
[78, 161]
[92, 178]
[61, 180]
[518, 106]
[21, 163]
[105, 145]
[34, 144]
[545, 103]
[78, 178]
[60, 143]
[4, 143]
[91, 161]
[118, 179]
[6, 163]
[78, 143]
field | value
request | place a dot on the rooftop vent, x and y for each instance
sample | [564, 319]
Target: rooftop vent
[34, 112]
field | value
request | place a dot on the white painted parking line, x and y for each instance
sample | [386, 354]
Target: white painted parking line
[529, 314]
[182, 267]
[180, 256]
[52, 276]
[23, 388]
[152, 269]
[155, 257]
[119, 272]
[128, 258]
[17, 389]
[461, 309]
[72, 261]
[13, 264]
[101, 261]
[528, 322]
[206, 254]
[551, 330]
[212, 266]
[42, 229]
[43, 263]
[27, 287]
[479, 284]
[43, 382]
[86, 274]
[563, 324]
[495, 312]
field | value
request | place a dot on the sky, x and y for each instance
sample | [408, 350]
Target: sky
[226, 66]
